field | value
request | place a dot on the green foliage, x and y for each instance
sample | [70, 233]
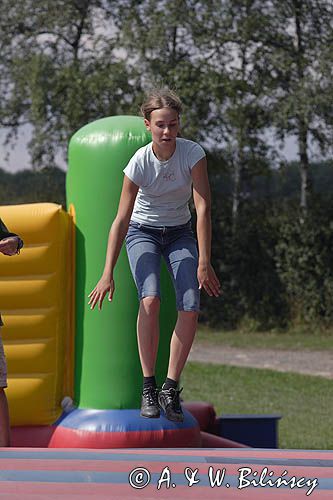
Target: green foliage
[275, 270]
[244, 260]
[159, 37]
[243, 68]
[299, 62]
[239, 71]
[46, 185]
[60, 70]
[304, 264]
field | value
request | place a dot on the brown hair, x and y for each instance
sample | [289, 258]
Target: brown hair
[158, 99]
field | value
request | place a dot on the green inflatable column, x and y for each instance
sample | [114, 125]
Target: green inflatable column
[107, 368]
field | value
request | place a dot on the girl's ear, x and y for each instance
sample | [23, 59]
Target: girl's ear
[147, 123]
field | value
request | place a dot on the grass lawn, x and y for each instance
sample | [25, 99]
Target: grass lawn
[296, 338]
[305, 402]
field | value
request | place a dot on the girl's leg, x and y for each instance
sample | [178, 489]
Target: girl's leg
[181, 342]
[148, 334]
[180, 346]
[181, 256]
[4, 420]
[144, 256]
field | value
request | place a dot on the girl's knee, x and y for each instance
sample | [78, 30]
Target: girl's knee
[150, 305]
[188, 315]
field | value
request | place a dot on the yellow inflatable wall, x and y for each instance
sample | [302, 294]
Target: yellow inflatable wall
[36, 303]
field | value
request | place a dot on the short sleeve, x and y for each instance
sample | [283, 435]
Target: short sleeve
[134, 171]
[196, 153]
[4, 233]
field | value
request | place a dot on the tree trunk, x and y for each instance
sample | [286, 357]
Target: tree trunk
[304, 166]
[303, 130]
[235, 191]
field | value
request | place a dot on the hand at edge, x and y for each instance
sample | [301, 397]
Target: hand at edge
[97, 295]
[9, 246]
[209, 281]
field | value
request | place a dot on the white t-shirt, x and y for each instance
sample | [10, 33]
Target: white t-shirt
[165, 187]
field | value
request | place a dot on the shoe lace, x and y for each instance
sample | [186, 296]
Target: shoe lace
[172, 397]
[150, 395]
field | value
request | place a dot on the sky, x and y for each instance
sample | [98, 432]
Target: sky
[15, 157]
[19, 157]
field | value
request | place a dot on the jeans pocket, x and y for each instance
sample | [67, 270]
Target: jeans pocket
[135, 225]
[132, 230]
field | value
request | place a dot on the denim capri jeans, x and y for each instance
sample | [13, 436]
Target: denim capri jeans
[146, 245]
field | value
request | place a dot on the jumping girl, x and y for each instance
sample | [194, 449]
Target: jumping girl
[154, 218]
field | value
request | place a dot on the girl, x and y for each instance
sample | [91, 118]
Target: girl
[10, 244]
[153, 214]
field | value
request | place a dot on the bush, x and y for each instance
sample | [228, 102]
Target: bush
[245, 262]
[275, 270]
[27, 186]
[304, 263]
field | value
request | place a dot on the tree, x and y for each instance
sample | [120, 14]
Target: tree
[228, 35]
[299, 61]
[60, 69]
[158, 36]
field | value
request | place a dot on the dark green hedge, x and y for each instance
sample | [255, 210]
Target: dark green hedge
[275, 267]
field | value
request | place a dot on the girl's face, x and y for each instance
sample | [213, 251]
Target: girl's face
[164, 127]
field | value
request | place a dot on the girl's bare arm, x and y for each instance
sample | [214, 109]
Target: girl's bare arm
[116, 237]
[202, 201]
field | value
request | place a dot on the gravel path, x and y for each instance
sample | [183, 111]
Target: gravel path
[319, 363]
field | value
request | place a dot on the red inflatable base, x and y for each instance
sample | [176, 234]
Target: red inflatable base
[199, 433]
[182, 438]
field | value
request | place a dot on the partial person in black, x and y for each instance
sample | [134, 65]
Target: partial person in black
[10, 244]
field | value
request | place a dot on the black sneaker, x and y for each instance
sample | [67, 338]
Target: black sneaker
[169, 402]
[149, 403]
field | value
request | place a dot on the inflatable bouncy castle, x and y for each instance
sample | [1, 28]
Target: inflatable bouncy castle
[74, 374]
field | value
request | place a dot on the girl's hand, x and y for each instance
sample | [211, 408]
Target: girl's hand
[208, 280]
[9, 246]
[104, 286]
